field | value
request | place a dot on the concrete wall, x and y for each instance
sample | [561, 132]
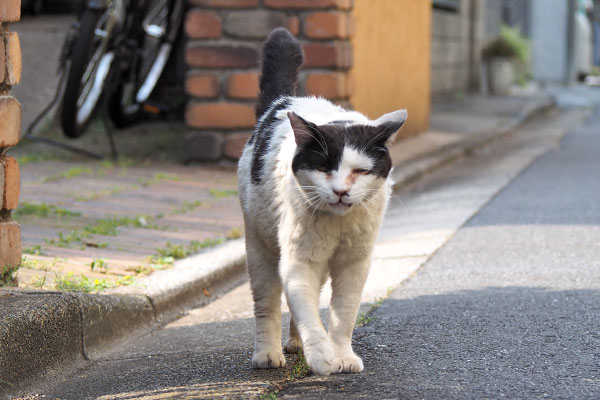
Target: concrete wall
[550, 40]
[391, 59]
[454, 63]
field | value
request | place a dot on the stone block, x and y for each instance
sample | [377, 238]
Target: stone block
[308, 4]
[327, 55]
[255, 23]
[225, 3]
[10, 121]
[201, 24]
[234, 144]
[243, 85]
[331, 85]
[446, 25]
[328, 25]
[202, 85]
[13, 58]
[203, 146]
[221, 56]
[2, 61]
[12, 183]
[10, 10]
[220, 115]
[10, 244]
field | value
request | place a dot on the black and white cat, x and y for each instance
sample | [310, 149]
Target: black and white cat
[314, 184]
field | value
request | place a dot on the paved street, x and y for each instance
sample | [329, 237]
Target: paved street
[505, 305]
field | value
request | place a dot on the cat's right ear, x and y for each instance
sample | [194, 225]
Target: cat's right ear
[304, 131]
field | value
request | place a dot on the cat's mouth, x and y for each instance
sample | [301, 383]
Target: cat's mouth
[341, 205]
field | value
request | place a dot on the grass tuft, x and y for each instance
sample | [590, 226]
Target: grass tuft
[221, 193]
[300, 369]
[42, 210]
[72, 172]
[81, 283]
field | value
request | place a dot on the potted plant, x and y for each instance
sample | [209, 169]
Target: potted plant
[507, 59]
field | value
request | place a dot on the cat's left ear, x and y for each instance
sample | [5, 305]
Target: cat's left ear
[388, 124]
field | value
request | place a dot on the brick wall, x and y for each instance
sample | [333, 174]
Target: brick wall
[224, 41]
[10, 129]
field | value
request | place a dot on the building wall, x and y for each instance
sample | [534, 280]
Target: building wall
[391, 60]
[451, 64]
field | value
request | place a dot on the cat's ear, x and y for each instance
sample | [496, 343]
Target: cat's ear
[388, 124]
[304, 131]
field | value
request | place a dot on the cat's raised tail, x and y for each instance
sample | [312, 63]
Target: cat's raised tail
[281, 59]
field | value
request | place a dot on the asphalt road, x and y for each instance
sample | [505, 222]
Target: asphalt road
[506, 304]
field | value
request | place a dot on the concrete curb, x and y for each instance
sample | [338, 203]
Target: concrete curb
[41, 332]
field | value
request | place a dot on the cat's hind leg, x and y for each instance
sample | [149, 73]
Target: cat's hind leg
[266, 291]
[293, 344]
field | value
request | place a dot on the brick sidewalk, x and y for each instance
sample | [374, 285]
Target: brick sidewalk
[90, 225]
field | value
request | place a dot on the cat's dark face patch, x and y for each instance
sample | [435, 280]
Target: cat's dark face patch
[321, 147]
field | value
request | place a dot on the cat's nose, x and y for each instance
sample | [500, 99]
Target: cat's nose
[340, 193]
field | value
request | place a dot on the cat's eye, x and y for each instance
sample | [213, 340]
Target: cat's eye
[360, 171]
[322, 168]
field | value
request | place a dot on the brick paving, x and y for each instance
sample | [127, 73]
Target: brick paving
[151, 207]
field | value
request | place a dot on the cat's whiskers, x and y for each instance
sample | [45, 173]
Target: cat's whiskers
[320, 203]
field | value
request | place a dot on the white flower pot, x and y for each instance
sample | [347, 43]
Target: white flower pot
[502, 75]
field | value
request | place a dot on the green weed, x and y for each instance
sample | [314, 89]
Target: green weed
[235, 233]
[36, 157]
[100, 265]
[366, 318]
[195, 245]
[186, 207]
[81, 283]
[40, 281]
[363, 319]
[105, 227]
[167, 255]
[158, 177]
[35, 250]
[2, 381]
[42, 210]
[140, 269]
[300, 369]
[221, 193]
[174, 251]
[40, 264]
[101, 193]
[72, 172]
[8, 275]
[271, 395]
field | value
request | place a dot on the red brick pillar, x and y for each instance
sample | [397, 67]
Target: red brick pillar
[225, 37]
[10, 129]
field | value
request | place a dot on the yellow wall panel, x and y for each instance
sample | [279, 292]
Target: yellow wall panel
[392, 59]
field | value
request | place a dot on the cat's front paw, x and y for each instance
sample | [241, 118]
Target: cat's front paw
[293, 345]
[268, 359]
[351, 363]
[323, 362]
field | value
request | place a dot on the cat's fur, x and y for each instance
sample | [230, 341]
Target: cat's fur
[306, 161]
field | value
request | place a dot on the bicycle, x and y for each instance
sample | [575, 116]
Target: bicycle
[117, 49]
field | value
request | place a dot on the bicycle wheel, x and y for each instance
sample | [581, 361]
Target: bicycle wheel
[90, 63]
[159, 26]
